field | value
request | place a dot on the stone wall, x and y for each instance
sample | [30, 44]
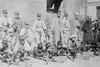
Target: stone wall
[27, 8]
[75, 6]
[92, 8]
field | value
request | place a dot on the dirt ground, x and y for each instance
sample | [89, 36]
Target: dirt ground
[78, 62]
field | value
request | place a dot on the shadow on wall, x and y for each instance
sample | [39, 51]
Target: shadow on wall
[27, 8]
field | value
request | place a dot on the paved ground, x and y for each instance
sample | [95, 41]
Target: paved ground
[92, 62]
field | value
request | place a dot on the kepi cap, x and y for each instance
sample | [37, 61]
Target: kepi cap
[38, 14]
[5, 11]
[16, 13]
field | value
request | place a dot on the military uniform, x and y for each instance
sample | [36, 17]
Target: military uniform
[39, 28]
[5, 23]
[17, 24]
[66, 31]
[13, 42]
[77, 29]
[73, 45]
[28, 38]
[56, 29]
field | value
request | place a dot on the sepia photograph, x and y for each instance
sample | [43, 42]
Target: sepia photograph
[49, 33]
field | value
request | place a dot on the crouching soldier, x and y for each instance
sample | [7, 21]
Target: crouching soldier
[27, 35]
[21, 51]
[3, 50]
[61, 50]
[72, 46]
[38, 51]
[4, 45]
[13, 43]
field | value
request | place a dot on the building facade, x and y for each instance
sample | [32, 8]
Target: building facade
[93, 9]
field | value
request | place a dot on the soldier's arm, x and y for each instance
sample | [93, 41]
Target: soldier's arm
[10, 22]
[67, 25]
[44, 25]
[1, 23]
[34, 26]
[53, 25]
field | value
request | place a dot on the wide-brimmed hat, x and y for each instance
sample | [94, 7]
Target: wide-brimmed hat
[73, 36]
[76, 14]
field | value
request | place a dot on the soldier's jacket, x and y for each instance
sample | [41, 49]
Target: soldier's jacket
[17, 25]
[28, 38]
[66, 25]
[38, 29]
[5, 21]
[13, 43]
[72, 45]
[38, 25]
[27, 34]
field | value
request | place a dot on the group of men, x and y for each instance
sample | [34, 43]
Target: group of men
[17, 33]
[20, 35]
[62, 28]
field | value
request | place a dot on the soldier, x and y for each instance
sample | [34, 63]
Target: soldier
[87, 32]
[77, 26]
[39, 28]
[17, 24]
[73, 45]
[21, 51]
[56, 22]
[5, 23]
[13, 44]
[27, 34]
[4, 46]
[66, 29]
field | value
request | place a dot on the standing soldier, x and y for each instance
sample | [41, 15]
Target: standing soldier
[17, 24]
[60, 24]
[77, 27]
[5, 23]
[66, 29]
[56, 28]
[39, 28]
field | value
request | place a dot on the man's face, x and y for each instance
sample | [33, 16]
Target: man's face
[39, 18]
[76, 16]
[66, 17]
[27, 26]
[22, 42]
[16, 15]
[11, 34]
[5, 15]
[73, 38]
